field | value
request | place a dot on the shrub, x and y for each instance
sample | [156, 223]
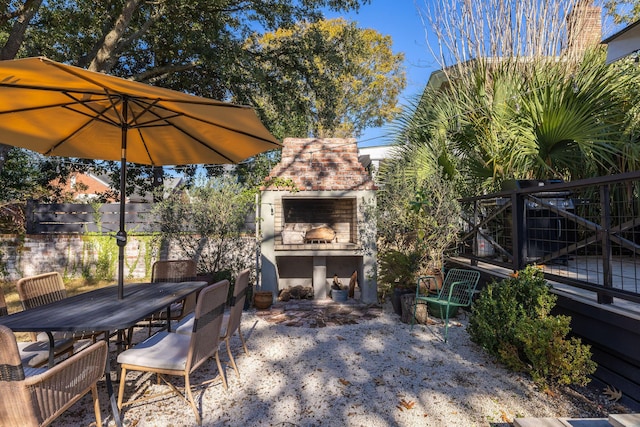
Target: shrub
[398, 269]
[511, 320]
[206, 224]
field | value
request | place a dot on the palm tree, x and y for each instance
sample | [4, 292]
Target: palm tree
[517, 119]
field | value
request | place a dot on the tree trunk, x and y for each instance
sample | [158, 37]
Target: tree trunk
[16, 36]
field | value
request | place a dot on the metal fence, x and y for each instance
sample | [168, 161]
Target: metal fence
[584, 233]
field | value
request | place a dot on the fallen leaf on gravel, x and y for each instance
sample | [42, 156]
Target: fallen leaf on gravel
[404, 404]
[505, 417]
[405, 371]
[612, 394]
[549, 392]
[344, 382]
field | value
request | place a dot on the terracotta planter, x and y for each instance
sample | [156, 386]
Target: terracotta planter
[437, 273]
[262, 299]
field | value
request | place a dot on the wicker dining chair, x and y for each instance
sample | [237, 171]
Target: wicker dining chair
[36, 353]
[175, 270]
[43, 289]
[36, 397]
[168, 353]
[232, 318]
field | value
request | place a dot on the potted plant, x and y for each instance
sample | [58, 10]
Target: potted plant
[398, 270]
[339, 292]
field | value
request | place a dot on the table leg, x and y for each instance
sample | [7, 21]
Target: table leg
[112, 396]
[169, 319]
[52, 350]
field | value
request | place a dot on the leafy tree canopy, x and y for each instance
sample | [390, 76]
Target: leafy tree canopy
[623, 11]
[332, 78]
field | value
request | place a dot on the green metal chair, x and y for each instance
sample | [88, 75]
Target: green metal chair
[457, 291]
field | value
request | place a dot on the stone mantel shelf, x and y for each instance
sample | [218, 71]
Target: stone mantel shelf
[316, 249]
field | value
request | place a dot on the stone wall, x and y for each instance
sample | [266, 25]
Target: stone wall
[71, 255]
[75, 255]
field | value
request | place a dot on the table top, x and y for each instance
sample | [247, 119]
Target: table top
[100, 309]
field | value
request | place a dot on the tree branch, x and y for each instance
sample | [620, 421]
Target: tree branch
[24, 15]
[105, 58]
[159, 73]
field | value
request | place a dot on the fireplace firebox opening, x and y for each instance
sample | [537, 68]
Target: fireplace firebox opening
[309, 221]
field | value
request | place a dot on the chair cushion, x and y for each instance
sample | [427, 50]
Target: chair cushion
[185, 326]
[34, 353]
[164, 350]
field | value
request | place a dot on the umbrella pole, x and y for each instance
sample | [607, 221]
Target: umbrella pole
[121, 236]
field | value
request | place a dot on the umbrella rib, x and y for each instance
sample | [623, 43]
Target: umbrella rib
[151, 123]
[229, 128]
[212, 123]
[108, 96]
[67, 105]
[51, 89]
[201, 142]
[50, 151]
[175, 126]
[146, 108]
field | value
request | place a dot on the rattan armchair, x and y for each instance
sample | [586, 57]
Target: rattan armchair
[232, 318]
[168, 353]
[36, 353]
[36, 397]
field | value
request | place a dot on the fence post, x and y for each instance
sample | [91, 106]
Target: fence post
[605, 238]
[475, 236]
[30, 226]
[518, 230]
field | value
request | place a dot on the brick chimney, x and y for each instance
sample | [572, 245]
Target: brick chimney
[322, 165]
[584, 27]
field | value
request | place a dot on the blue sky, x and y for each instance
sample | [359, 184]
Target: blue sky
[400, 20]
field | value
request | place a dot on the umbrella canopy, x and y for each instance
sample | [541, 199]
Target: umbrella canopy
[61, 110]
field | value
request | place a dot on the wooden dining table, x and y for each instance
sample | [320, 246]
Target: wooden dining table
[101, 310]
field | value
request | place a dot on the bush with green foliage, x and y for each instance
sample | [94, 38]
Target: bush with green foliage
[511, 320]
[399, 269]
[206, 223]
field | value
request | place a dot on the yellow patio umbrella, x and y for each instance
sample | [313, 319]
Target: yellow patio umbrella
[61, 110]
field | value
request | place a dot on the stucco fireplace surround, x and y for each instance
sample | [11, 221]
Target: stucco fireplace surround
[319, 230]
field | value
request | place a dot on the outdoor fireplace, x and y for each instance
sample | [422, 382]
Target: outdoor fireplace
[318, 229]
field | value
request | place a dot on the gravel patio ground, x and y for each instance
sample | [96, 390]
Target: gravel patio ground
[376, 372]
